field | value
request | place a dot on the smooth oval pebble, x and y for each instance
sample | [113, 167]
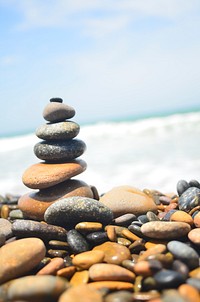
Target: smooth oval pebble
[86, 259]
[59, 151]
[68, 212]
[194, 236]
[77, 242]
[168, 279]
[120, 296]
[197, 220]
[81, 293]
[56, 112]
[182, 186]
[58, 131]
[189, 292]
[19, 257]
[114, 253]
[110, 272]
[125, 199]
[6, 228]
[52, 267]
[184, 253]
[165, 230]
[189, 199]
[44, 175]
[37, 288]
[30, 228]
[182, 217]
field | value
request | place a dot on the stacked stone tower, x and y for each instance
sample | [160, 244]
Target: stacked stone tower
[58, 150]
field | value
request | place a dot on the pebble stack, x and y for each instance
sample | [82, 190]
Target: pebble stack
[129, 246]
[59, 151]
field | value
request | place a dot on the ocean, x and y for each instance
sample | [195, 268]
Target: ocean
[152, 152]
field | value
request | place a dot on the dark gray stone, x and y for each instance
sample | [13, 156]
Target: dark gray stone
[189, 199]
[97, 237]
[58, 100]
[184, 253]
[168, 279]
[182, 186]
[194, 183]
[125, 220]
[67, 212]
[30, 228]
[58, 131]
[57, 112]
[77, 242]
[57, 151]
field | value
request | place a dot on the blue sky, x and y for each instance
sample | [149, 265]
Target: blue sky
[106, 58]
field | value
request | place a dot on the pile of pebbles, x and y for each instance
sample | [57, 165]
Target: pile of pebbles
[130, 245]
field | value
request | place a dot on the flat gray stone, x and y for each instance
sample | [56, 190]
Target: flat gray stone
[6, 228]
[57, 112]
[69, 211]
[59, 151]
[58, 131]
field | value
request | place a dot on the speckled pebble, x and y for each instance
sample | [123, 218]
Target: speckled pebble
[189, 199]
[56, 112]
[58, 131]
[77, 242]
[5, 228]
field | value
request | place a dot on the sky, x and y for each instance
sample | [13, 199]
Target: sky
[105, 58]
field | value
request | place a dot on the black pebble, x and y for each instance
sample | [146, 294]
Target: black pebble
[77, 242]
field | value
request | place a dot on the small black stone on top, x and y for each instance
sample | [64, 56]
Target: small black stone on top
[57, 100]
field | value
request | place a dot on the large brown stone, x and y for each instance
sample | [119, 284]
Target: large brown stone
[34, 204]
[125, 199]
[44, 175]
[81, 293]
[19, 257]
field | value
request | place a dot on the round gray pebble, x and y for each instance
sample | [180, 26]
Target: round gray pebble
[58, 131]
[57, 151]
[57, 112]
[77, 242]
[6, 228]
[168, 279]
[69, 211]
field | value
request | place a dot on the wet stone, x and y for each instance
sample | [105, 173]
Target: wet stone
[57, 253]
[58, 131]
[86, 227]
[168, 279]
[184, 253]
[123, 241]
[114, 253]
[56, 112]
[19, 257]
[5, 228]
[57, 244]
[135, 229]
[77, 242]
[59, 151]
[97, 237]
[189, 199]
[86, 259]
[37, 288]
[165, 230]
[182, 186]
[68, 212]
[30, 228]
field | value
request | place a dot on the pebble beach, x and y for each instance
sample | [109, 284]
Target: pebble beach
[67, 241]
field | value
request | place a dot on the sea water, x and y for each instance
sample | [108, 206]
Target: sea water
[153, 153]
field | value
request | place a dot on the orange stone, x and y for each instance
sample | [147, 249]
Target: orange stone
[110, 272]
[81, 293]
[194, 236]
[188, 292]
[197, 220]
[115, 253]
[112, 285]
[195, 273]
[33, 205]
[66, 272]
[125, 199]
[88, 226]
[79, 278]
[182, 216]
[157, 249]
[86, 259]
[52, 267]
[44, 175]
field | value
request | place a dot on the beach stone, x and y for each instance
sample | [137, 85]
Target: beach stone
[111, 285]
[120, 296]
[37, 288]
[30, 228]
[34, 204]
[154, 250]
[56, 112]
[168, 279]
[125, 199]
[59, 151]
[16, 214]
[147, 268]
[194, 183]
[194, 236]
[125, 220]
[182, 186]
[2, 239]
[69, 211]
[197, 220]
[80, 277]
[110, 272]
[184, 253]
[52, 267]
[97, 237]
[19, 257]
[6, 228]
[165, 230]
[180, 267]
[189, 292]
[182, 216]
[58, 131]
[195, 273]
[115, 253]
[57, 253]
[67, 272]
[58, 100]
[81, 293]
[194, 282]
[189, 199]
[58, 244]
[87, 227]
[44, 175]
[77, 242]
[169, 295]
[86, 259]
